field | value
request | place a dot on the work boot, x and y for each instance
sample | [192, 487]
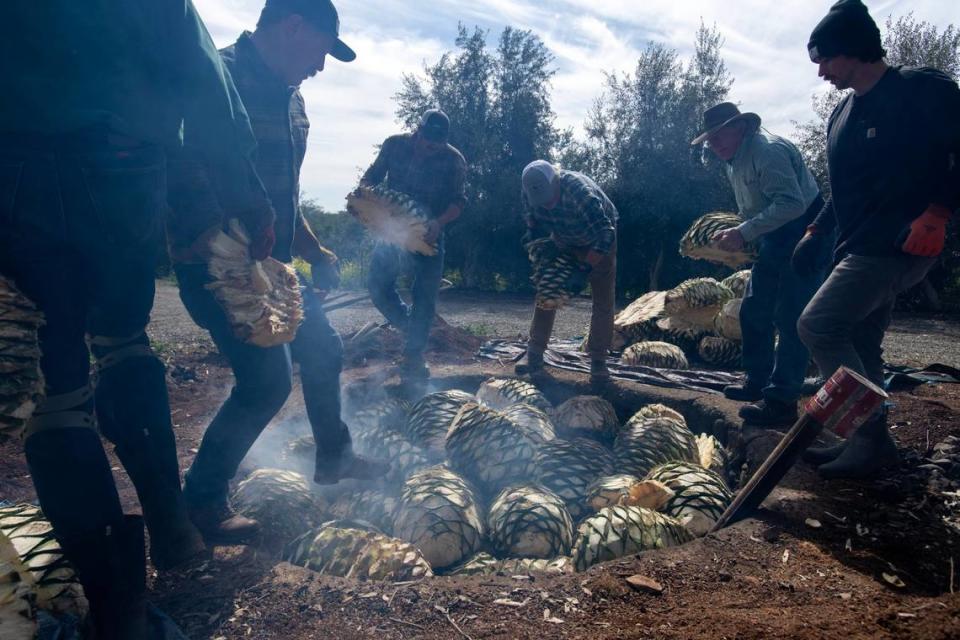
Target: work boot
[769, 413]
[111, 567]
[348, 465]
[218, 523]
[531, 365]
[743, 392]
[822, 455]
[413, 368]
[870, 452]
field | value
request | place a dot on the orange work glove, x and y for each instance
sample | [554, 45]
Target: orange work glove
[927, 234]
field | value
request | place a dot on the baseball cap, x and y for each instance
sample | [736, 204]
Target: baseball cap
[538, 179]
[323, 16]
[435, 125]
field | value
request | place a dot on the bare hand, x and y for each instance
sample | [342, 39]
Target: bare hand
[729, 240]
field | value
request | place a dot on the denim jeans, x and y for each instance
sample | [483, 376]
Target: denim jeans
[263, 380]
[81, 229]
[415, 319]
[774, 300]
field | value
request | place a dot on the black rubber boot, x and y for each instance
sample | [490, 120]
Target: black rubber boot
[822, 455]
[532, 364]
[349, 465]
[870, 452]
[133, 412]
[743, 392]
[769, 413]
[111, 567]
[599, 376]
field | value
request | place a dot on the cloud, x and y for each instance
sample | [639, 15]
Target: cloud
[351, 106]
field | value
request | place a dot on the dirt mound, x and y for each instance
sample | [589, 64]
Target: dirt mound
[373, 343]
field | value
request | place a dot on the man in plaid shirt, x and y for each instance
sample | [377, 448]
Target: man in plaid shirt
[579, 217]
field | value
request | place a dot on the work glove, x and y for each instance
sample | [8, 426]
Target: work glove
[261, 244]
[325, 275]
[927, 234]
[809, 253]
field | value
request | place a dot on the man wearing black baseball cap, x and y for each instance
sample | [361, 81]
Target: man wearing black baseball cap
[893, 155]
[424, 166]
[289, 45]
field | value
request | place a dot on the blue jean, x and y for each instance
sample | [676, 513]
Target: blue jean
[774, 300]
[263, 381]
[415, 319]
[80, 231]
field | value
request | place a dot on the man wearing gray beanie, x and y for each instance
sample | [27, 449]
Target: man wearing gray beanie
[893, 157]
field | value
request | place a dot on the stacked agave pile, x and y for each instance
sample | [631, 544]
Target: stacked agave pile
[392, 217]
[489, 449]
[21, 383]
[700, 496]
[260, 298]
[530, 522]
[438, 513]
[500, 393]
[282, 501]
[646, 443]
[661, 355]
[343, 549]
[697, 242]
[431, 417]
[556, 275]
[567, 467]
[614, 532]
[33, 573]
[589, 416]
[521, 488]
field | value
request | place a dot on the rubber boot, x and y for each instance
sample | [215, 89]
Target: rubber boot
[870, 452]
[111, 567]
[769, 413]
[745, 392]
[133, 413]
[532, 364]
[599, 376]
[822, 455]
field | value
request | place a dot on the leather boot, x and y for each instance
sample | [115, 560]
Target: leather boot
[822, 455]
[769, 413]
[870, 452]
[743, 392]
[218, 523]
[331, 470]
[111, 567]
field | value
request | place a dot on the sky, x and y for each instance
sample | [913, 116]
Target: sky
[351, 106]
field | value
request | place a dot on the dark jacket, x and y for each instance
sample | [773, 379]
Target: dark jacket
[436, 181]
[891, 153]
[142, 70]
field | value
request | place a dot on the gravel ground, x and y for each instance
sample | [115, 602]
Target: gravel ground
[913, 339]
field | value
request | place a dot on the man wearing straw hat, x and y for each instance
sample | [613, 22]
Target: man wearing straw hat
[778, 197]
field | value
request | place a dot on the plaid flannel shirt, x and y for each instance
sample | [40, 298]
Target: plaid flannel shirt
[584, 217]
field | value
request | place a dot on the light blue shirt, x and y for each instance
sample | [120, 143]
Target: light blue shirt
[771, 183]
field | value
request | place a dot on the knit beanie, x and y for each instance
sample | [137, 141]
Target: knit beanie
[847, 30]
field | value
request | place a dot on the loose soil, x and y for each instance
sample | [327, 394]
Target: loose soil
[771, 576]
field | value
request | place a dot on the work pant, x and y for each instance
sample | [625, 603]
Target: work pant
[263, 380]
[80, 235]
[426, 272]
[845, 322]
[603, 280]
[774, 300]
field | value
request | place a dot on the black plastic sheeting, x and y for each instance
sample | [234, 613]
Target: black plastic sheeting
[566, 354]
